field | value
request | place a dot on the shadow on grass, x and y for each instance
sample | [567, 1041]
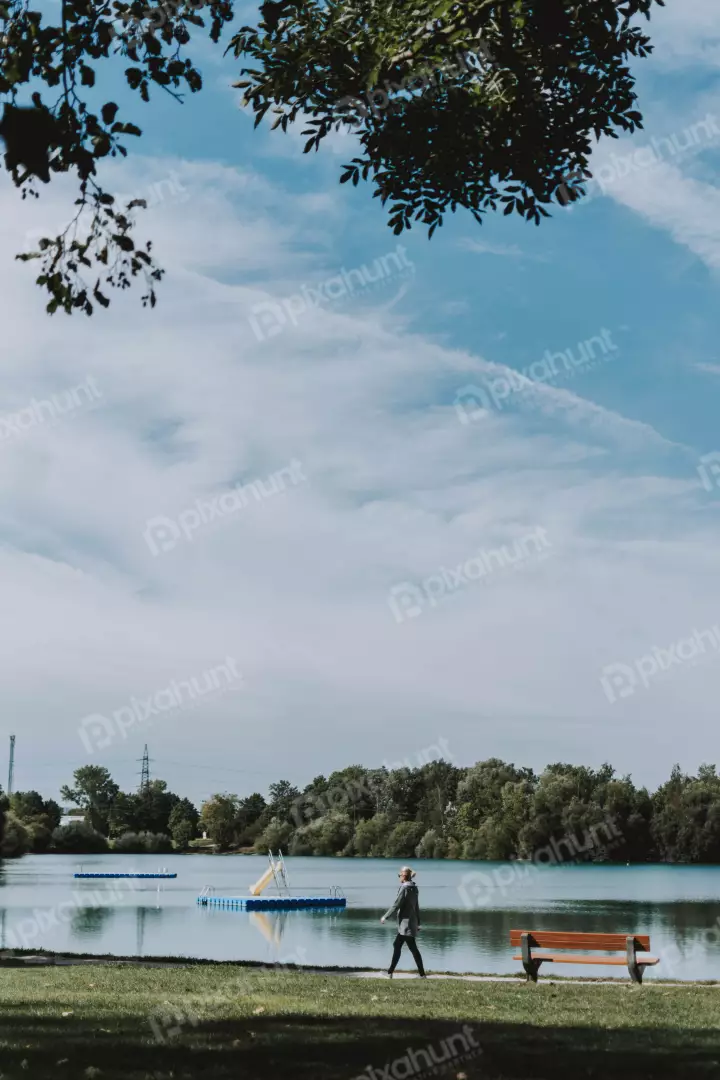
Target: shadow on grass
[322, 1048]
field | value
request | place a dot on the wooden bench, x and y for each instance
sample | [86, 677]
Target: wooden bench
[634, 946]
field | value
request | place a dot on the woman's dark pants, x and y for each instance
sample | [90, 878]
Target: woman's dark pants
[406, 939]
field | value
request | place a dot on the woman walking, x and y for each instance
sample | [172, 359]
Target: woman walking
[407, 909]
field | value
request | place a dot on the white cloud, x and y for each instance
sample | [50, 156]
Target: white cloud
[295, 588]
[479, 247]
[688, 209]
[686, 34]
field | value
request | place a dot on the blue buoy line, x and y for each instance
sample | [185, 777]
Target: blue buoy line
[271, 903]
[125, 875]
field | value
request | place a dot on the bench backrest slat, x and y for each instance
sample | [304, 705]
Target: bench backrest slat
[564, 939]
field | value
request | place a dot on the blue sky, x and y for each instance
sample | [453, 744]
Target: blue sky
[344, 595]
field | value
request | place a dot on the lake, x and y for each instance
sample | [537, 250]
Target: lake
[468, 909]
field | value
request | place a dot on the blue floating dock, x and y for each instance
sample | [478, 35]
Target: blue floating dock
[125, 875]
[271, 903]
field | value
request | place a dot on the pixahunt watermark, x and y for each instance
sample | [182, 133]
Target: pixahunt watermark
[168, 189]
[408, 600]
[162, 533]
[430, 1061]
[439, 751]
[422, 81]
[97, 730]
[482, 887]
[272, 317]
[310, 806]
[350, 793]
[709, 470]
[28, 931]
[48, 410]
[621, 680]
[665, 148]
[168, 1021]
[473, 402]
[134, 27]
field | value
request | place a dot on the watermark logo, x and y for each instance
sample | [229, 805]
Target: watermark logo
[621, 680]
[167, 1023]
[85, 394]
[666, 148]
[28, 931]
[408, 600]
[472, 403]
[430, 1061]
[436, 752]
[482, 887]
[162, 534]
[271, 317]
[169, 189]
[339, 797]
[709, 470]
[477, 402]
[425, 82]
[98, 731]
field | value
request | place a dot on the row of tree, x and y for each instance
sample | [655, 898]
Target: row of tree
[491, 810]
[151, 820]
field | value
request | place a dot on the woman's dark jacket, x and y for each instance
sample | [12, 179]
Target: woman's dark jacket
[407, 908]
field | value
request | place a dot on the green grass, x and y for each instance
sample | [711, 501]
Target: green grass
[240, 1023]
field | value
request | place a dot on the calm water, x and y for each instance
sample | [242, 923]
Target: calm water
[468, 910]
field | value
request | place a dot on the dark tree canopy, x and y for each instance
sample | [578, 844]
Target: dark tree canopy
[485, 105]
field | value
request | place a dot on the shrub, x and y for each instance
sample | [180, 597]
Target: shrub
[39, 835]
[143, 843]
[183, 832]
[432, 846]
[403, 840]
[371, 836]
[78, 838]
[15, 839]
[274, 836]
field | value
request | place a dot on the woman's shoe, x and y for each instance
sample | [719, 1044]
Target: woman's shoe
[389, 974]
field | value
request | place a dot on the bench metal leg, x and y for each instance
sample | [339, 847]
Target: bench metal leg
[531, 965]
[633, 967]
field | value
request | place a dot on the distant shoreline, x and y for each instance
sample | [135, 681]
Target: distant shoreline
[370, 858]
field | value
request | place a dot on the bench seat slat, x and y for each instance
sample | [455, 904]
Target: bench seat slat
[558, 939]
[564, 958]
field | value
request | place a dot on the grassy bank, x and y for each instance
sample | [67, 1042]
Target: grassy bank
[222, 1022]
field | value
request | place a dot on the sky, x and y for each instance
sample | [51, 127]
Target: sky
[351, 498]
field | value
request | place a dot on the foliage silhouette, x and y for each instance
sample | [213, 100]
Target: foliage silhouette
[489, 105]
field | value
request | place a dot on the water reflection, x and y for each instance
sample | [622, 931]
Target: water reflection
[44, 907]
[271, 927]
[146, 918]
[90, 922]
[685, 935]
